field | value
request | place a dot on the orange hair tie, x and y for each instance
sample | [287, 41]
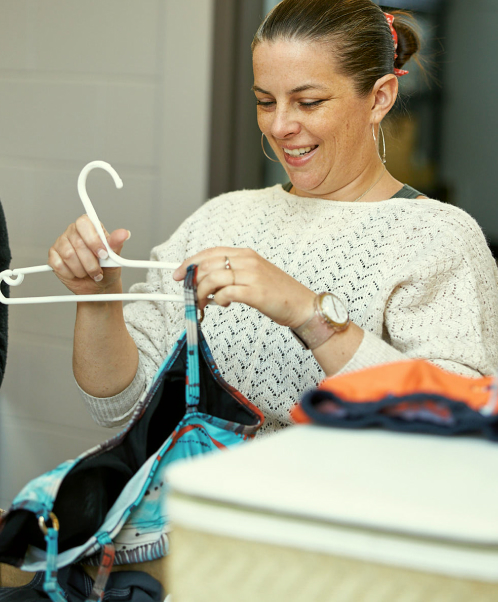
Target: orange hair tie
[390, 20]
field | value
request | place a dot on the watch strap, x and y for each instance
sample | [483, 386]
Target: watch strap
[317, 329]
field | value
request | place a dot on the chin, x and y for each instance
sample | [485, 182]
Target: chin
[307, 184]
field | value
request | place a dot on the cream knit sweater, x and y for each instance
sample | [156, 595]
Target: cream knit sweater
[416, 275]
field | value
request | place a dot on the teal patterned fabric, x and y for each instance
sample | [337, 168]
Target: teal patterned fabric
[137, 522]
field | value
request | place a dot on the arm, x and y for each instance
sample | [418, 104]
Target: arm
[443, 308]
[105, 358]
[117, 350]
[447, 310]
[260, 284]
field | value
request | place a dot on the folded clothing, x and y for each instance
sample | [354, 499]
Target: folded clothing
[414, 396]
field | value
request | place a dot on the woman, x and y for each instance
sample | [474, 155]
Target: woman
[409, 277]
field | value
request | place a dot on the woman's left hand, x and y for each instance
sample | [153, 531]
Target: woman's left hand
[252, 280]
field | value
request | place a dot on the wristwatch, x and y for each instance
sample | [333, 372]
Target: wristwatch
[329, 316]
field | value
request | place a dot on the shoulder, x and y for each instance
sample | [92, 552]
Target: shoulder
[239, 204]
[243, 196]
[434, 216]
[429, 231]
[447, 230]
[453, 221]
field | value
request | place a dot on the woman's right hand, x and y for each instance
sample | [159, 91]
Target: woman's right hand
[74, 257]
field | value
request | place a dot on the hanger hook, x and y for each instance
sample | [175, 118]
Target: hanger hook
[85, 199]
[11, 278]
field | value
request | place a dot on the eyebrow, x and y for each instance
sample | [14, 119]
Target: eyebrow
[302, 88]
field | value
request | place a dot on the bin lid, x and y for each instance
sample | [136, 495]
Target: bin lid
[422, 485]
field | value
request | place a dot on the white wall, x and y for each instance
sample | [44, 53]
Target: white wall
[470, 156]
[126, 81]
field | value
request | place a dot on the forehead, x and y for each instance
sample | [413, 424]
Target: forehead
[291, 63]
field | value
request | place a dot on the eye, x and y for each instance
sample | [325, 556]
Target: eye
[313, 103]
[265, 103]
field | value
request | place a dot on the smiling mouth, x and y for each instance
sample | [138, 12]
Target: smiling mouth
[299, 152]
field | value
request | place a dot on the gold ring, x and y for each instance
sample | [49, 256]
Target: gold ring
[227, 263]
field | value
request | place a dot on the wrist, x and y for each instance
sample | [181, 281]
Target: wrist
[304, 312]
[328, 317]
[113, 288]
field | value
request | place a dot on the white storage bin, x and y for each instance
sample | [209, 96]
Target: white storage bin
[314, 514]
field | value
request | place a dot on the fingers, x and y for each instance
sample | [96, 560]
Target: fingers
[85, 230]
[241, 287]
[250, 279]
[89, 235]
[70, 258]
[238, 294]
[57, 264]
[228, 286]
[213, 281]
[210, 259]
[213, 277]
[79, 258]
[76, 254]
[246, 264]
[117, 239]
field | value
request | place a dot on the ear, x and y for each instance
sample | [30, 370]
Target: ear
[383, 97]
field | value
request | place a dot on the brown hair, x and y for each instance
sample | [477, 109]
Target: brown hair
[357, 29]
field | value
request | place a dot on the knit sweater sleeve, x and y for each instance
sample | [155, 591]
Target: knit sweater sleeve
[443, 309]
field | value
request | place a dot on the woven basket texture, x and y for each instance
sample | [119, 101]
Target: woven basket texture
[210, 568]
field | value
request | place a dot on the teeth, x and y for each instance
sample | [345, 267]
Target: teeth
[297, 152]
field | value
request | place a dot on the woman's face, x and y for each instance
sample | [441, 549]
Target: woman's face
[317, 125]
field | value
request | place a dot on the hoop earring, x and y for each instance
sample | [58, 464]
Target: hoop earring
[383, 156]
[263, 147]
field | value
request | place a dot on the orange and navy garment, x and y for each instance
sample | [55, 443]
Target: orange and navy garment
[414, 396]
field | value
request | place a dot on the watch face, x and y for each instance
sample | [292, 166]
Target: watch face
[333, 309]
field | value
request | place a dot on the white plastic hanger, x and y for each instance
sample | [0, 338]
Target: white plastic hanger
[16, 277]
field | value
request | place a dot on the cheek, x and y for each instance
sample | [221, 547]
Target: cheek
[264, 121]
[347, 132]
[327, 124]
[330, 131]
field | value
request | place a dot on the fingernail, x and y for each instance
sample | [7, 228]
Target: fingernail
[129, 235]
[103, 254]
[99, 277]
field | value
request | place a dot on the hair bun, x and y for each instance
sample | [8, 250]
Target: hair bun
[408, 37]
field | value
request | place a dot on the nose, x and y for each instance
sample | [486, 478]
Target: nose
[284, 123]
